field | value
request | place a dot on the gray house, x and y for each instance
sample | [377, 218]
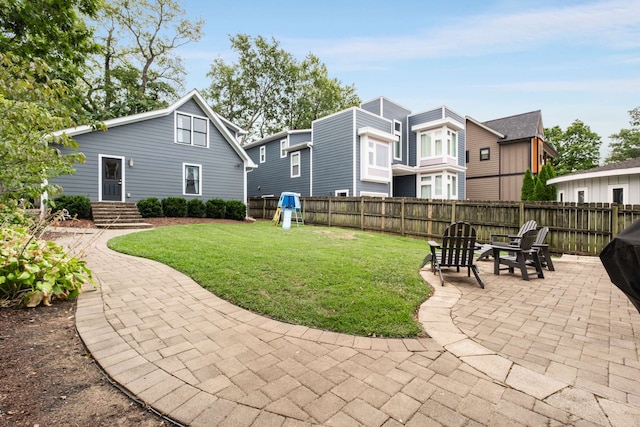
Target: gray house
[377, 149]
[185, 150]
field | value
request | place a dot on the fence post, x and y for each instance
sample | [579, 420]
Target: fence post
[402, 217]
[264, 207]
[382, 208]
[453, 212]
[329, 215]
[614, 220]
[361, 213]
[522, 220]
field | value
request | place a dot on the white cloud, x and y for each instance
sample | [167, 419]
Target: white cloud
[607, 86]
[615, 24]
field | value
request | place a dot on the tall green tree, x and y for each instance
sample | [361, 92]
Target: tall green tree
[137, 69]
[267, 90]
[626, 143]
[528, 185]
[578, 147]
[32, 107]
[51, 32]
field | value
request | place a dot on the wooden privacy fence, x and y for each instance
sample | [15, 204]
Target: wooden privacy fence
[582, 229]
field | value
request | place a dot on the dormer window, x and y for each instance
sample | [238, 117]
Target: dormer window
[191, 130]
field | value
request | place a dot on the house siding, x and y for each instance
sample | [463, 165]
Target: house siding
[274, 175]
[598, 190]
[333, 151]
[158, 161]
[482, 176]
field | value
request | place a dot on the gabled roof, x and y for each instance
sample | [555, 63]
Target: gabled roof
[219, 122]
[280, 135]
[520, 126]
[626, 167]
[485, 127]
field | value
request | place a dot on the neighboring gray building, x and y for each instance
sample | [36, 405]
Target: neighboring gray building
[185, 150]
[377, 149]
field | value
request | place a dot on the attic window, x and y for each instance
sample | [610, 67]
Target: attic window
[192, 130]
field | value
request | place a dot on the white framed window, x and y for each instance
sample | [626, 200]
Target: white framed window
[191, 130]
[295, 165]
[397, 145]
[437, 143]
[375, 160]
[191, 179]
[283, 148]
[617, 193]
[582, 195]
[342, 193]
[442, 185]
[263, 154]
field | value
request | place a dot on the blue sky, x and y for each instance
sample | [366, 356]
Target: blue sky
[486, 59]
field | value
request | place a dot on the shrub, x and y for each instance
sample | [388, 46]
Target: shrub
[195, 208]
[216, 208]
[35, 271]
[174, 207]
[78, 206]
[236, 210]
[150, 208]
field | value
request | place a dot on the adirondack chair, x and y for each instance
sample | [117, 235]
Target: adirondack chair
[486, 250]
[456, 250]
[543, 249]
[518, 255]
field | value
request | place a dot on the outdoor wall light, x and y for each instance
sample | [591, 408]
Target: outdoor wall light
[131, 162]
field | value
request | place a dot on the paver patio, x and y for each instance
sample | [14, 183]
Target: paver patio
[564, 350]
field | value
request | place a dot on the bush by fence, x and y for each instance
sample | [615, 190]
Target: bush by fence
[582, 229]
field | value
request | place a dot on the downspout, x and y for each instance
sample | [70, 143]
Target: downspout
[354, 152]
[311, 170]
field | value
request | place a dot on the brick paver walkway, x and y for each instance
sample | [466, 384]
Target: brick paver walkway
[564, 350]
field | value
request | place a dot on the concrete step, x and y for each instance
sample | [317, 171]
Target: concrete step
[125, 226]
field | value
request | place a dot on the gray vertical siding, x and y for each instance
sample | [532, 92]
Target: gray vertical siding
[333, 139]
[157, 161]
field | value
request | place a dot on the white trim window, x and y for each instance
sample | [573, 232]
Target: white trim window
[438, 186]
[432, 144]
[295, 164]
[582, 195]
[397, 145]
[283, 148]
[191, 130]
[617, 193]
[263, 154]
[342, 193]
[376, 160]
[191, 179]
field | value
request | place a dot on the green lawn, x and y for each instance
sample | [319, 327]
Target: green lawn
[329, 278]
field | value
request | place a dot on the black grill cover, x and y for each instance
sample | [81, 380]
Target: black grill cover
[621, 259]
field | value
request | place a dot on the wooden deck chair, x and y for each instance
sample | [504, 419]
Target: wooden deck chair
[543, 249]
[518, 255]
[485, 250]
[456, 250]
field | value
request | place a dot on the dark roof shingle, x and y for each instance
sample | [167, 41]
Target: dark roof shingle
[516, 127]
